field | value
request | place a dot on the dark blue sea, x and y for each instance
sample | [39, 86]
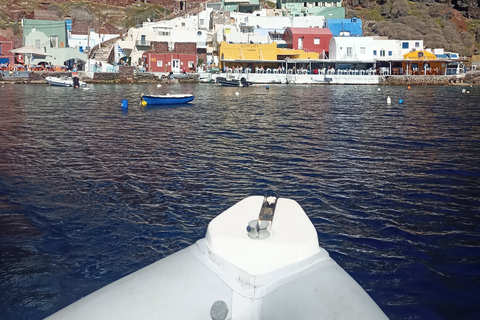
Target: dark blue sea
[90, 192]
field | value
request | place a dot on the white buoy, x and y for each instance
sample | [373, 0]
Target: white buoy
[236, 93]
[379, 89]
[159, 85]
[389, 101]
[463, 90]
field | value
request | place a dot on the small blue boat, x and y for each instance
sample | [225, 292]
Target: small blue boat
[166, 99]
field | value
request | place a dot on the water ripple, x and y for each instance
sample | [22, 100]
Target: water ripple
[89, 193]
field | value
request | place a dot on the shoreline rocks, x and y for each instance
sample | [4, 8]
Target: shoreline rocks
[128, 76]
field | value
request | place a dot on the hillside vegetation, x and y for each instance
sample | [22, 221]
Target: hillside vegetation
[439, 24]
[450, 24]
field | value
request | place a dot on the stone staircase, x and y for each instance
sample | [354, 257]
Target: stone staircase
[104, 53]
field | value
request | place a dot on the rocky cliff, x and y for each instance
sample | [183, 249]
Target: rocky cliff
[450, 24]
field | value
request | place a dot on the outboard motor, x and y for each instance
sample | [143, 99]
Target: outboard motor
[244, 82]
[76, 82]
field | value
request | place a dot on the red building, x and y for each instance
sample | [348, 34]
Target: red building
[166, 62]
[5, 46]
[308, 39]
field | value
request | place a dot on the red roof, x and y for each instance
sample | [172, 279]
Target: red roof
[314, 31]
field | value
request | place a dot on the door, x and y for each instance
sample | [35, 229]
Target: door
[300, 43]
[175, 65]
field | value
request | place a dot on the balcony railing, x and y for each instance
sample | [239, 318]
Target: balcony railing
[142, 43]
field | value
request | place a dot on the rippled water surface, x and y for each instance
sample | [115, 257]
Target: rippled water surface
[89, 193]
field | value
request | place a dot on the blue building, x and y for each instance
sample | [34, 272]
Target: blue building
[344, 27]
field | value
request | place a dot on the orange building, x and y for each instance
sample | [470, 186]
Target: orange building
[423, 63]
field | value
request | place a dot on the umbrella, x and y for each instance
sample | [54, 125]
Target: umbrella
[30, 50]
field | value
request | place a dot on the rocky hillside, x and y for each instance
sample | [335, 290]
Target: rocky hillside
[113, 16]
[450, 24]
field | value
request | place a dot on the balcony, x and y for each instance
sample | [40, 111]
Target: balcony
[142, 43]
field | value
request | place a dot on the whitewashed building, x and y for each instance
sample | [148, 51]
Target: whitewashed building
[371, 48]
[83, 41]
[189, 29]
[351, 49]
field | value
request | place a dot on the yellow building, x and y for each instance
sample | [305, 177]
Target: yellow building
[261, 55]
[422, 63]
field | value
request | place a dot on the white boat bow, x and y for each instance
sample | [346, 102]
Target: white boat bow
[260, 259]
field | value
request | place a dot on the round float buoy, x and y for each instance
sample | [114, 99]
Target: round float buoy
[236, 93]
[144, 103]
[389, 100]
[400, 101]
[408, 87]
[159, 85]
[268, 87]
[379, 89]
[124, 104]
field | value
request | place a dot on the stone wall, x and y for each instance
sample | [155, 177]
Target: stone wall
[185, 48]
[40, 76]
[158, 47]
[472, 77]
[420, 80]
[126, 72]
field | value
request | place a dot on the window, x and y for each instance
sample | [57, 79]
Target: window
[390, 53]
[404, 45]
[304, 4]
[316, 41]
[374, 52]
[54, 41]
[417, 44]
[316, 4]
[349, 51]
[202, 22]
[191, 64]
[183, 24]
[362, 50]
[382, 53]
[37, 43]
[159, 63]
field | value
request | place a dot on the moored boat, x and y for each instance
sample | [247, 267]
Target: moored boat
[260, 259]
[233, 82]
[65, 82]
[167, 99]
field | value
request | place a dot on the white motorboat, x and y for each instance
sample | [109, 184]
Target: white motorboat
[64, 81]
[260, 259]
